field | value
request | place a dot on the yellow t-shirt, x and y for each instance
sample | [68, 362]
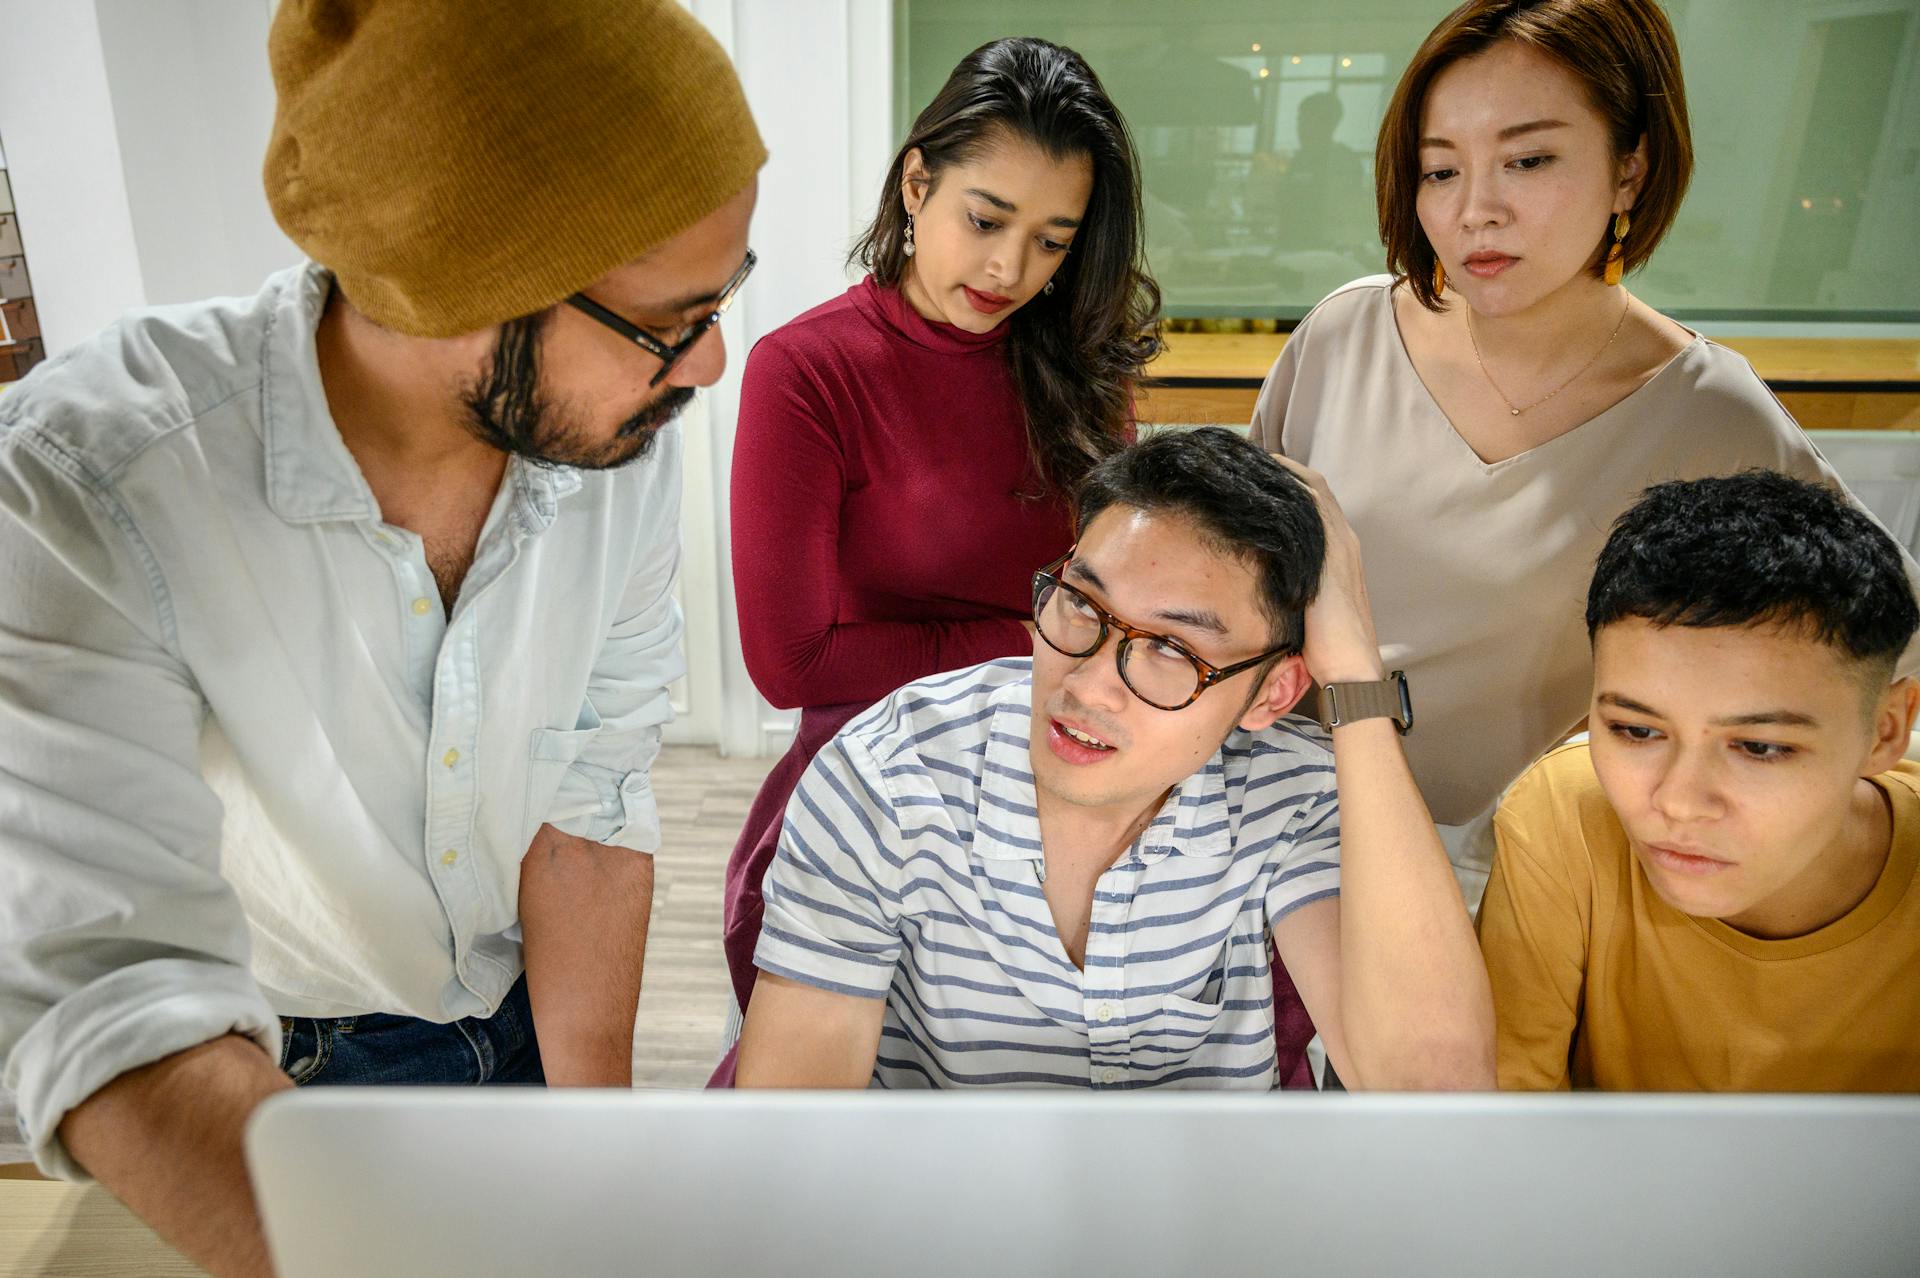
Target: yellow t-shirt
[1598, 982]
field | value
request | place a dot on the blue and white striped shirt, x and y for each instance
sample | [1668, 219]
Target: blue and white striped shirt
[910, 868]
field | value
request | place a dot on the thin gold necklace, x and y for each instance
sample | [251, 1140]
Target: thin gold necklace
[1556, 390]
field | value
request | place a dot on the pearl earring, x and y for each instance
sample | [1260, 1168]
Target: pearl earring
[907, 247]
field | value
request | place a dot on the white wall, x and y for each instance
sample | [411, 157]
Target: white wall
[193, 105]
[819, 78]
[63, 157]
[135, 131]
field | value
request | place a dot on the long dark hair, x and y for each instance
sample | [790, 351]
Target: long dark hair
[1076, 353]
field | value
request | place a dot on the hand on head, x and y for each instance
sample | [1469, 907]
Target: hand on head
[1340, 645]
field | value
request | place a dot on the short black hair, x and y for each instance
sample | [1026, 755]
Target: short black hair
[1753, 549]
[1243, 502]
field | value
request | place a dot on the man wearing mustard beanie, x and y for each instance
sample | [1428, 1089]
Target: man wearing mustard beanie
[336, 622]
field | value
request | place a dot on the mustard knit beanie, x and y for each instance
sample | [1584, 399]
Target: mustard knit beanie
[459, 163]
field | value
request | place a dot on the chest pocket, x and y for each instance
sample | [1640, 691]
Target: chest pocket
[1172, 1038]
[551, 752]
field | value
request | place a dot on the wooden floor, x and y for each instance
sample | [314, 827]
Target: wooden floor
[686, 996]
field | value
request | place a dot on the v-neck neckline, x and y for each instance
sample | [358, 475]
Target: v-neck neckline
[1490, 468]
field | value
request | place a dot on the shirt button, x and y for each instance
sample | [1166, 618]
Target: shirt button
[1109, 1076]
[1103, 1013]
[449, 857]
[450, 758]
[421, 605]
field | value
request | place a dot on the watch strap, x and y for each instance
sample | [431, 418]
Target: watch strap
[1387, 698]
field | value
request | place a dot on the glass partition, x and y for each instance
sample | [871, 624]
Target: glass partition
[1256, 120]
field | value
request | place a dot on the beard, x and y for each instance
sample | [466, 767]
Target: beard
[506, 410]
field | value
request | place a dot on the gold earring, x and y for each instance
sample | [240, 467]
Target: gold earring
[1616, 263]
[1439, 278]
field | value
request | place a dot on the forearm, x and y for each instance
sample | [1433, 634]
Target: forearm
[584, 909]
[166, 1140]
[1416, 1009]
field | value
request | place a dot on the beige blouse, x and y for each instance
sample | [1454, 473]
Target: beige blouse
[1478, 571]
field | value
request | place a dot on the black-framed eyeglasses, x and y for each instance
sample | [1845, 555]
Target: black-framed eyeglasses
[668, 353]
[1156, 668]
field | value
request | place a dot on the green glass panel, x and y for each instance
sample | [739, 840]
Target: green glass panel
[1256, 120]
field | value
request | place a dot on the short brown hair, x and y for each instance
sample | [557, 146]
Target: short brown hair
[1625, 54]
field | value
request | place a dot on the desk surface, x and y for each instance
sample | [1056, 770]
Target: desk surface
[1248, 356]
[49, 1229]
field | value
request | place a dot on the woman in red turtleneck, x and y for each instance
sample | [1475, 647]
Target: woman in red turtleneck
[905, 450]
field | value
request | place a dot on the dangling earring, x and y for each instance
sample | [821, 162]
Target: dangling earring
[1047, 288]
[907, 248]
[1616, 258]
[1439, 278]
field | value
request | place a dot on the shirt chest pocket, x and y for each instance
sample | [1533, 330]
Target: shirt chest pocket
[1180, 1030]
[551, 753]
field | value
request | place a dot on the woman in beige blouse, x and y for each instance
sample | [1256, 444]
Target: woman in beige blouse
[1485, 412]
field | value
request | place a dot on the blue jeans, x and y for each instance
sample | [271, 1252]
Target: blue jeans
[400, 1050]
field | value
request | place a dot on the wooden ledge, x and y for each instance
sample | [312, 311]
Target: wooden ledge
[1870, 365]
[1826, 383]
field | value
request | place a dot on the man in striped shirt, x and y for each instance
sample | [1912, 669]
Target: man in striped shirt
[1065, 870]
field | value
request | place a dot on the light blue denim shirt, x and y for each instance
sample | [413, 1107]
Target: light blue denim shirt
[248, 766]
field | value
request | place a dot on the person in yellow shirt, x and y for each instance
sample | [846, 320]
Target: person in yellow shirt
[1720, 890]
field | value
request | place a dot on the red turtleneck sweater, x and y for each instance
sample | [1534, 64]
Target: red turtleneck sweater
[878, 534]
[878, 531]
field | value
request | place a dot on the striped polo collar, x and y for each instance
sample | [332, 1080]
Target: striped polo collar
[1195, 821]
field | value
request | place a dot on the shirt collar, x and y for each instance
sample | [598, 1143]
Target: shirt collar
[1195, 821]
[537, 490]
[311, 476]
[1006, 823]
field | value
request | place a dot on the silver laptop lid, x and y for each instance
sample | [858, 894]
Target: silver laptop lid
[476, 1183]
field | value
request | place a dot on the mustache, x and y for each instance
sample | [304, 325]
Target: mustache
[653, 416]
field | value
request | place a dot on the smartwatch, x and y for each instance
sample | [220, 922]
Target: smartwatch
[1383, 698]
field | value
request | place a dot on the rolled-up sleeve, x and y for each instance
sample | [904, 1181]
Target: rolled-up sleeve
[606, 794]
[120, 942]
